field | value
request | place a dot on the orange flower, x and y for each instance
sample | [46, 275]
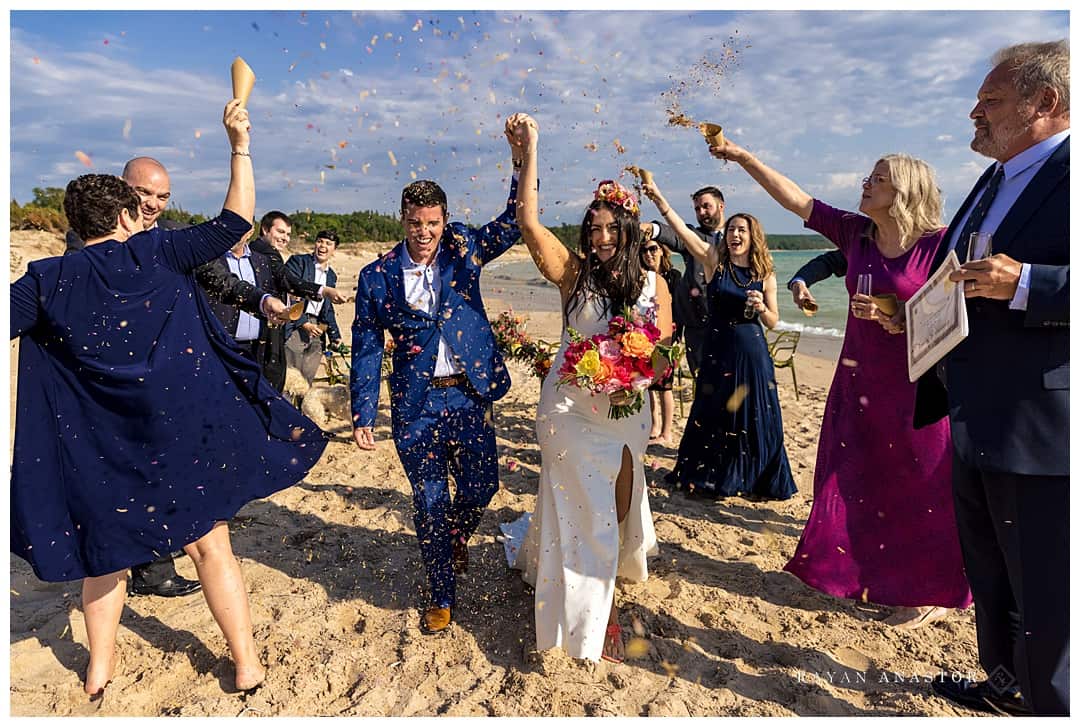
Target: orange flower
[636, 345]
[604, 373]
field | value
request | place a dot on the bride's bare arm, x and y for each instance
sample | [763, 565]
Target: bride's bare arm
[554, 261]
[707, 255]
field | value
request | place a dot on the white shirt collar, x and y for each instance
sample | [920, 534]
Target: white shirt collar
[408, 263]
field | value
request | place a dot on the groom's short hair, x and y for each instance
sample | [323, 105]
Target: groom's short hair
[423, 193]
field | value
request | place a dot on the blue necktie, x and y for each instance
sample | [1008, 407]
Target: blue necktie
[978, 214]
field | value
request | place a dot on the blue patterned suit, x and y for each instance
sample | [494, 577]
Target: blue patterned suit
[437, 430]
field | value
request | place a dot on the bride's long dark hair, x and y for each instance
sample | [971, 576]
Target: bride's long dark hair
[618, 281]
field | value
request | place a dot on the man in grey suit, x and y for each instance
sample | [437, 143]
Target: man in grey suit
[690, 301]
[1005, 388]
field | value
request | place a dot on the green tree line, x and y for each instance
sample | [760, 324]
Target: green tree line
[46, 212]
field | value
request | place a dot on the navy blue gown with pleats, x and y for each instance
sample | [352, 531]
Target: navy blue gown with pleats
[733, 447]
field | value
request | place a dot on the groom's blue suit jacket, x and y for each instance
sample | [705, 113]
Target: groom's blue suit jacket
[381, 306]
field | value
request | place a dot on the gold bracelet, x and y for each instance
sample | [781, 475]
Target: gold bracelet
[241, 154]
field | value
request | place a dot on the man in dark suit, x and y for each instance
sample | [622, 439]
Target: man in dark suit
[248, 330]
[689, 300]
[274, 232]
[447, 372]
[1006, 387]
[304, 338]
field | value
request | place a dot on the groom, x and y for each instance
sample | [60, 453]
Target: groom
[446, 374]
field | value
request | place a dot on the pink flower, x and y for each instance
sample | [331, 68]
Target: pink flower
[609, 350]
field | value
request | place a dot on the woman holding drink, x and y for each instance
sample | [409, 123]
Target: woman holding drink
[734, 438]
[882, 527]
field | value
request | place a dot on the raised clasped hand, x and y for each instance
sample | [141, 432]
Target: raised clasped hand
[521, 131]
[995, 277]
[757, 300]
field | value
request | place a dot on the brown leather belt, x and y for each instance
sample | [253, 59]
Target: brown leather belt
[445, 382]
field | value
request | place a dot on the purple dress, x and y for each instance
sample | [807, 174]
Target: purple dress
[882, 527]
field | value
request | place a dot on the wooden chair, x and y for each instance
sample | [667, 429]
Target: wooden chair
[782, 350]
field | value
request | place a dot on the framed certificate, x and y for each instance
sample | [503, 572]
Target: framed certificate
[936, 319]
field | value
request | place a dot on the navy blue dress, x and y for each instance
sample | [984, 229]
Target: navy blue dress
[738, 452]
[139, 423]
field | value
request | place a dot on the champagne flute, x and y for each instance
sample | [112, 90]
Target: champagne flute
[863, 284]
[749, 310]
[980, 245]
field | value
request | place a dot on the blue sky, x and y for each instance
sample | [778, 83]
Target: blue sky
[341, 96]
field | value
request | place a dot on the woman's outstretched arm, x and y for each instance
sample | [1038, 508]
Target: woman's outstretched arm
[790, 195]
[554, 261]
[707, 255]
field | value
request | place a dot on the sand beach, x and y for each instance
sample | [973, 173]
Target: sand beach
[336, 586]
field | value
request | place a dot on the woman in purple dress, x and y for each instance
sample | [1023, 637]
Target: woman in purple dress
[882, 527]
[140, 427]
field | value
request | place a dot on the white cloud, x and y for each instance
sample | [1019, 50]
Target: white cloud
[816, 94]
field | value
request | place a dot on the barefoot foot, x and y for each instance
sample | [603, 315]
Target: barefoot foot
[249, 677]
[98, 675]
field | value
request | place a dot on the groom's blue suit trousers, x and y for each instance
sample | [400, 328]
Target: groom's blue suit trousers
[453, 435]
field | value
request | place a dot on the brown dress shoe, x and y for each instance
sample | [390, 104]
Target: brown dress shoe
[436, 618]
[461, 556]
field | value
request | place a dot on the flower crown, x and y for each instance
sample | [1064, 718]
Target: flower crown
[615, 194]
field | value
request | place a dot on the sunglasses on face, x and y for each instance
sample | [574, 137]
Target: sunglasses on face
[651, 249]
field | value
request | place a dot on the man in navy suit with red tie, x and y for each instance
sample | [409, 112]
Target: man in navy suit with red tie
[1005, 388]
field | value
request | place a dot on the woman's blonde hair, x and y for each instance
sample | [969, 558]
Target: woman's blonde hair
[761, 262]
[917, 206]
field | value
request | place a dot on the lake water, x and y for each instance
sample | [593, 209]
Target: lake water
[830, 294]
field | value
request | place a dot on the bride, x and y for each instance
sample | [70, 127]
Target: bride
[592, 520]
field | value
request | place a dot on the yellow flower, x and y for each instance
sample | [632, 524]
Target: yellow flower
[637, 345]
[589, 364]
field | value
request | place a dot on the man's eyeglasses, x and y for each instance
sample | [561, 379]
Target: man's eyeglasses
[650, 249]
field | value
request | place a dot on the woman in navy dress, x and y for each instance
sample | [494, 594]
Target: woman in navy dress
[734, 438]
[140, 427]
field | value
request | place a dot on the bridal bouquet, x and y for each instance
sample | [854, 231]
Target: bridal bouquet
[623, 359]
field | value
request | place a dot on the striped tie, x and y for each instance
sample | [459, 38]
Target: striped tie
[978, 214]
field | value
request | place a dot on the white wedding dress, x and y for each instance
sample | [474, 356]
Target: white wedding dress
[575, 546]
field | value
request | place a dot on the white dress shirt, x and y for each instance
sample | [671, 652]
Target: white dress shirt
[1019, 171]
[422, 286]
[247, 327]
[315, 306]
